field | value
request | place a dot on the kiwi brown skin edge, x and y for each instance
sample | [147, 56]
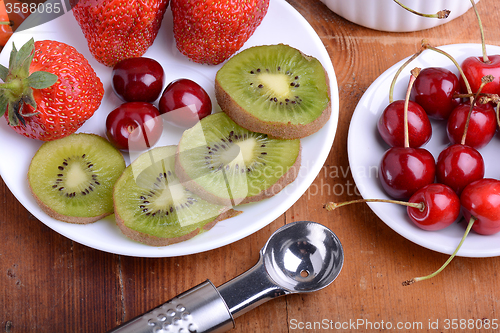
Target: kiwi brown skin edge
[274, 129]
[65, 218]
[159, 241]
[194, 187]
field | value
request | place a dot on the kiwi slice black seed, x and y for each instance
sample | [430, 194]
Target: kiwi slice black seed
[154, 208]
[227, 164]
[276, 90]
[72, 178]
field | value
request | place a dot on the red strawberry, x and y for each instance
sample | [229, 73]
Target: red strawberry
[49, 91]
[209, 32]
[118, 29]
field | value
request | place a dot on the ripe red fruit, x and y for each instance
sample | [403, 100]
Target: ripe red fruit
[433, 207]
[403, 171]
[441, 207]
[475, 69]
[433, 91]
[52, 97]
[5, 25]
[391, 125]
[458, 166]
[211, 32]
[184, 102]
[481, 199]
[482, 125]
[134, 126]
[138, 79]
[116, 29]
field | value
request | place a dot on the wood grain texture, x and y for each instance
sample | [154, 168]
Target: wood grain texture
[49, 283]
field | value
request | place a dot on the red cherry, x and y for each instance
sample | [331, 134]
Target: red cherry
[434, 89]
[482, 125]
[391, 125]
[403, 171]
[475, 69]
[138, 79]
[458, 166]
[441, 207]
[184, 102]
[433, 207]
[134, 126]
[481, 199]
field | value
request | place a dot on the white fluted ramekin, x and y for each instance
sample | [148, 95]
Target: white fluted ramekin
[386, 15]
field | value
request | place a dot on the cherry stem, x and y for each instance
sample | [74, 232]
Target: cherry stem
[484, 81]
[413, 77]
[393, 83]
[426, 45]
[333, 205]
[485, 56]
[489, 96]
[482, 98]
[498, 113]
[467, 230]
[442, 14]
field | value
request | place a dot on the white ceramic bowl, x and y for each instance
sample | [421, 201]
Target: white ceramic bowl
[386, 15]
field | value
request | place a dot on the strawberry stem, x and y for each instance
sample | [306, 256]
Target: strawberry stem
[485, 56]
[442, 14]
[467, 230]
[14, 87]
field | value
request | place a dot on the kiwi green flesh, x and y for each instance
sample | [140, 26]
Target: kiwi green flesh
[150, 200]
[276, 83]
[226, 163]
[72, 178]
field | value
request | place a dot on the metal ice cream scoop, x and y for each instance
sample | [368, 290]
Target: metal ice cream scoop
[299, 257]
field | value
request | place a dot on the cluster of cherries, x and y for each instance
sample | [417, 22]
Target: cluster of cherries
[437, 190]
[408, 171]
[437, 193]
[137, 124]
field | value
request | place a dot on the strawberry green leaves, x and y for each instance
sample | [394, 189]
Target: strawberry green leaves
[4, 71]
[41, 80]
[18, 85]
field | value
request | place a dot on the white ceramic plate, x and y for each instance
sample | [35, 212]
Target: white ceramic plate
[17, 151]
[386, 15]
[366, 147]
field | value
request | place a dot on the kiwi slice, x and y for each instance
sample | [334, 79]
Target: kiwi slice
[72, 178]
[227, 164]
[276, 90]
[154, 208]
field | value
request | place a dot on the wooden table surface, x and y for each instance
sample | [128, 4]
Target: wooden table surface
[49, 283]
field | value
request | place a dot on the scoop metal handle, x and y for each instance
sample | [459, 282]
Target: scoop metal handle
[250, 289]
[199, 309]
[206, 308]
